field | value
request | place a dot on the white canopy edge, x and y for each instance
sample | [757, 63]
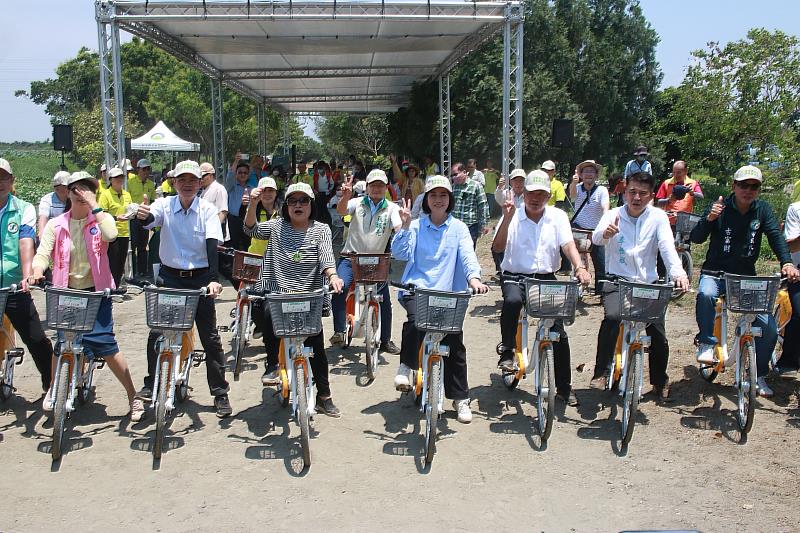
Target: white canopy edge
[161, 139]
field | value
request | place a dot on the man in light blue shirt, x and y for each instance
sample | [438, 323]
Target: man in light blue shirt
[440, 256]
[238, 197]
[640, 164]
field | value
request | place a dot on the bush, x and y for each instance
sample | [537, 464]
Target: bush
[34, 165]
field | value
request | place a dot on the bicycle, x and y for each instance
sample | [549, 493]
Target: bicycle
[72, 312]
[640, 304]
[747, 296]
[247, 269]
[782, 315]
[296, 317]
[10, 354]
[439, 313]
[370, 272]
[546, 301]
[684, 224]
[171, 313]
[583, 241]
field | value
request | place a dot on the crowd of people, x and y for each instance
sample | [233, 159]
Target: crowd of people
[430, 219]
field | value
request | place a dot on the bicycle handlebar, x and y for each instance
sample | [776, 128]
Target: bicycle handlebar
[43, 285]
[411, 288]
[260, 294]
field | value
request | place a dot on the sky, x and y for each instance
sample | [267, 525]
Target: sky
[62, 26]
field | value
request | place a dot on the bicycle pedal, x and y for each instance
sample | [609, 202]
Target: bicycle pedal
[16, 352]
[198, 357]
[100, 363]
[223, 329]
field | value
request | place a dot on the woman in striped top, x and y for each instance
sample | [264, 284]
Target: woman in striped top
[298, 258]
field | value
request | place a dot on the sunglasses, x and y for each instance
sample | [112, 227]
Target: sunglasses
[749, 186]
[303, 200]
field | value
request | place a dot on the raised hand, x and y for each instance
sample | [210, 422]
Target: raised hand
[405, 213]
[347, 185]
[255, 194]
[246, 196]
[143, 211]
[612, 229]
[508, 206]
[716, 209]
[501, 183]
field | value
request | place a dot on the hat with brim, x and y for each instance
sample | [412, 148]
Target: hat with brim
[377, 175]
[517, 173]
[128, 166]
[588, 163]
[116, 172]
[81, 175]
[435, 182]
[538, 180]
[267, 183]
[548, 165]
[187, 167]
[748, 172]
[60, 178]
[6, 166]
[641, 150]
[143, 163]
[207, 168]
[304, 188]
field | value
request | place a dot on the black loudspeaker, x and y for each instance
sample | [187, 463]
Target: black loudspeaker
[62, 137]
[128, 149]
[563, 133]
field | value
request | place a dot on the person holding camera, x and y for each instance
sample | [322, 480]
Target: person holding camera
[678, 193]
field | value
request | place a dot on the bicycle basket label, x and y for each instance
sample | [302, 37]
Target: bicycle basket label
[439, 301]
[368, 260]
[296, 307]
[252, 261]
[645, 294]
[171, 299]
[553, 290]
[73, 301]
[752, 285]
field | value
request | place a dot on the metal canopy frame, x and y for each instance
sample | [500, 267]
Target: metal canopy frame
[272, 52]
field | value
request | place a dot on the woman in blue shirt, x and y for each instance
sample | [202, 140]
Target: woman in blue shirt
[440, 256]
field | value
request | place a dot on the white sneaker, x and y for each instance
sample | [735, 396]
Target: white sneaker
[705, 354]
[402, 381]
[47, 401]
[463, 410]
[763, 389]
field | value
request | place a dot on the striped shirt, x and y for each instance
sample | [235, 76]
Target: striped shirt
[294, 261]
[591, 213]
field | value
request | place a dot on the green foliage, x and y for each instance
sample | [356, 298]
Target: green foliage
[34, 165]
[361, 135]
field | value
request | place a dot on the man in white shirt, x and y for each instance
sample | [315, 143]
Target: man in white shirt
[532, 238]
[789, 362]
[474, 173]
[517, 179]
[590, 201]
[52, 204]
[190, 234]
[633, 235]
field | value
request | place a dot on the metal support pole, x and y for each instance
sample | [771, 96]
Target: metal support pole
[218, 129]
[111, 96]
[287, 139]
[444, 123]
[512, 91]
[262, 130]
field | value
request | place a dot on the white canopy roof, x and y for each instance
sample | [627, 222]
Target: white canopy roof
[317, 55]
[161, 138]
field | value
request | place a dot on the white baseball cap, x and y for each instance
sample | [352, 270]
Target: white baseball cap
[267, 183]
[79, 176]
[187, 167]
[434, 182]
[517, 173]
[143, 163]
[377, 175]
[304, 188]
[115, 172]
[128, 165]
[748, 172]
[207, 168]
[103, 167]
[60, 178]
[538, 180]
[548, 165]
[5, 165]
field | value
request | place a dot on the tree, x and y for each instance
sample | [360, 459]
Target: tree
[345, 134]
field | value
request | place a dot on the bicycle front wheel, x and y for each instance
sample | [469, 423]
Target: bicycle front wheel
[432, 409]
[161, 408]
[372, 344]
[545, 393]
[60, 410]
[746, 372]
[302, 413]
[630, 399]
[241, 334]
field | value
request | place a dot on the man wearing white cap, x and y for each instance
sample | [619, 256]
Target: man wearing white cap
[142, 191]
[517, 179]
[190, 234]
[558, 196]
[532, 238]
[735, 226]
[371, 226]
[52, 204]
[215, 193]
[17, 236]
[115, 201]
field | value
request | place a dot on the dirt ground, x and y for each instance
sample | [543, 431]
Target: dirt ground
[684, 468]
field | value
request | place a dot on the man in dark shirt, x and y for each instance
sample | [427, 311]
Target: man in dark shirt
[736, 225]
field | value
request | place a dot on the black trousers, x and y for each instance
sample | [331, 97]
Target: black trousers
[117, 254]
[658, 355]
[513, 301]
[319, 363]
[206, 322]
[790, 357]
[139, 237]
[455, 365]
[22, 313]
[239, 240]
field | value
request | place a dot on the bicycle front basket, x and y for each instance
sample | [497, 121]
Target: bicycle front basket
[551, 298]
[72, 309]
[296, 314]
[685, 222]
[751, 294]
[644, 302]
[246, 266]
[170, 309]
[440, 311]
[370, 268]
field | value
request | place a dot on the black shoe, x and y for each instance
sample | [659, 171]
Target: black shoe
[223, 406]
[570, 398]
[507, 362]
[390, 347]
[145, 394]
[326, 407]
[271, 376]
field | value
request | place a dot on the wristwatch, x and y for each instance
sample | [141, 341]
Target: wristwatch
[96, 210]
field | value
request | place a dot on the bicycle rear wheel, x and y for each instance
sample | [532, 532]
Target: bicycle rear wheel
[545, 393]
[630, 399]
[432, 409]
[747, 390]
[241, 334]
[60, 410]
[372, 344]
[302, 413]
[161, 408]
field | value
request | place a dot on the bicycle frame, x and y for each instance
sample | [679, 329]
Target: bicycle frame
[295, 353]
[10, 356]
[177, 347]
[543, 337]
[81, 368]
[431, 350]
[365, 295]
[744, 332]
[630, 338]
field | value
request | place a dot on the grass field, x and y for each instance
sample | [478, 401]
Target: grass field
[34, 165]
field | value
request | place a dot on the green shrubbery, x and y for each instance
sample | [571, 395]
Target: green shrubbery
[34, 165]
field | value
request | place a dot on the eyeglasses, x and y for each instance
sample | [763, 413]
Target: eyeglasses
[303, 200]
[749, 186]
